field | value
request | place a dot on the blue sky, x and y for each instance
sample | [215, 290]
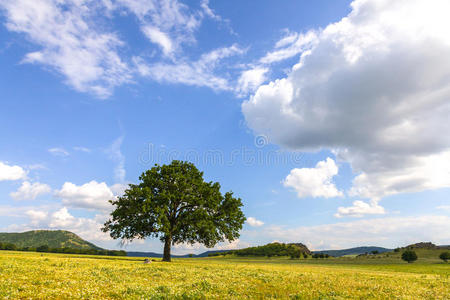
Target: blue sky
[328, 118]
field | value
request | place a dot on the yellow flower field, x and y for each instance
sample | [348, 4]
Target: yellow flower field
[55, 276]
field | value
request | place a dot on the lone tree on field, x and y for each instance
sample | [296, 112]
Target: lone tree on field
[409, 256]
[445, 256]
[174, 203]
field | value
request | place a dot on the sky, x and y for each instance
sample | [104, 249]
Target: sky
[329, 119]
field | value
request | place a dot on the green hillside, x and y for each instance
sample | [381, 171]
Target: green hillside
[52, 238]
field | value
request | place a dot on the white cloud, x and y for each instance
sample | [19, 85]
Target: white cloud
[8, 172]
[251, 79]
[29, 191]
[290, 45]
[385, 232]
[211, 14]
[359, 209]
[166, 23]
[71, 43]
[59, 152]
[61, 219]
[444, 207]
[36, 216]
[91, 195]
[185, 248]
[314, 182]
[254, 222]
[195, 73]
[118, 189]
[374, 88]
[82, 149]
[159, 38]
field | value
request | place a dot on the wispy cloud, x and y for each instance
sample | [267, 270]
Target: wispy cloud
[202, 72]
[57, 151]
[70, 42]
[119, 159]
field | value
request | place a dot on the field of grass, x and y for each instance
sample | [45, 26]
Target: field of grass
[58, 276]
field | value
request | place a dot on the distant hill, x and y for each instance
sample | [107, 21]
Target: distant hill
[353, 251]
[426, 245]
[154, 254]
[52, 238]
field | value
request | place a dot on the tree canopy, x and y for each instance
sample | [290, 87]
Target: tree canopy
[174, 203]
[445, 256]
[409, 256]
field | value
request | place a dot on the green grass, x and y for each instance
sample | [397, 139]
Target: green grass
[58, 276]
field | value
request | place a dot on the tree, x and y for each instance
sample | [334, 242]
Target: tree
[409, 256]
[445, 256]
[43, 248]
[174, 203]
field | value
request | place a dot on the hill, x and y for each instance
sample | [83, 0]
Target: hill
[273, 249]
[353, 251]
[52, 238]
[154, 254]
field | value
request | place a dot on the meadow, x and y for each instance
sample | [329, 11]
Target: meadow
[25, 275]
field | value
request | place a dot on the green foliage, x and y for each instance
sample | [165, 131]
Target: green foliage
[52, 238]
[409, 256]
[270, 250]
[445, 256]
[43, 248]
[46, 248]
[174, 203]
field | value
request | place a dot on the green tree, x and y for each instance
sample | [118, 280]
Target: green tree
[409, 256]
[43, 248]
[174, 203]
[445, 256]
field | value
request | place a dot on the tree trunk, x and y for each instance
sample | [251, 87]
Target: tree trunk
[167, 245]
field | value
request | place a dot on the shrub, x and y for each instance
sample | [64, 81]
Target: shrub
[43, 248]
[409, 256]
[445, 256]
[9, 246]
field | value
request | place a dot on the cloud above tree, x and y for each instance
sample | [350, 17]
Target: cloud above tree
[374, 89]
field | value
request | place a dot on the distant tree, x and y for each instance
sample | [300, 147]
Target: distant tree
[409, 256]
[174, 203]
[397, 250]
[9, 246]
[445, 256]
[374, 252]
[191, 255]
[305, 255]
[294, 252]
[43, 248]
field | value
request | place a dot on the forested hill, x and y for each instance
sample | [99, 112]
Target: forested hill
[51, 238]
[354, 251]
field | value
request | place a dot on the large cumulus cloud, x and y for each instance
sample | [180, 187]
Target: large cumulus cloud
[374, 88]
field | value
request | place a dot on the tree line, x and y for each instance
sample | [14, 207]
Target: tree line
[66, 250]
[269, 250]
